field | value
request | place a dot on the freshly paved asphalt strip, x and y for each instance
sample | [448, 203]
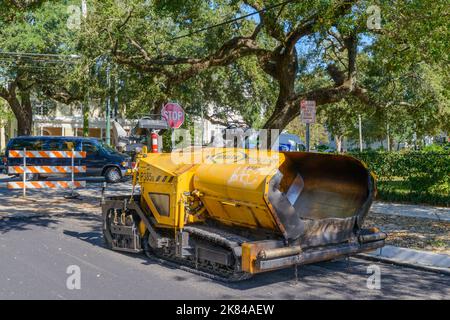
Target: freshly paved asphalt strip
[37, 249]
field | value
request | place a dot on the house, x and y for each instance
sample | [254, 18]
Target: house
[56, 119]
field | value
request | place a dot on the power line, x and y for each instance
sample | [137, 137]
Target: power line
[228, 21]
[36, 61]
[37, 68]
[31, 54]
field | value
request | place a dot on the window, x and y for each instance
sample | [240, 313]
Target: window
[17, 144]
[107, 148]
[69, 145]
[44, 108]
[90, 148]
[52, 145]
[161, 202]
[29, 144]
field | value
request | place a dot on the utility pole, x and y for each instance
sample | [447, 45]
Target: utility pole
[388, 138]
[308, 138]
[86, 97]
[116, 98]
[415, 137]
[84, 8]
[203, 125]
[86, 115]
[360, 134]
[108, 106]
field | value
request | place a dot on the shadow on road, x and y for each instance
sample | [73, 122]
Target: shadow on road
[93, 237]
[335, 279]
[25, 223]
[347, 278]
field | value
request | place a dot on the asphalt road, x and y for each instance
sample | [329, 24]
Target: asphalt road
[36, 250]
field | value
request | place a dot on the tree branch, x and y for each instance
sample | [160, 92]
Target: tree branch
[229, 52]
[214, 120]
[127, 18]
[302, 29]
[3, 93]
[273, 29]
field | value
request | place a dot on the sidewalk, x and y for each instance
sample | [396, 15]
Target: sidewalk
[411, 210]
[418, 235]
[411, 258]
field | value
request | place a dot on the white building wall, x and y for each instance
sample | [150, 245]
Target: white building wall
[2, 138]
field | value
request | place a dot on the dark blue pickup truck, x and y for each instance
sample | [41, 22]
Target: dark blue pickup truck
[101, 159]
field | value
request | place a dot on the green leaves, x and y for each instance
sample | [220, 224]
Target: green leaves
[403, 65]
[413, 176]
[5, 113]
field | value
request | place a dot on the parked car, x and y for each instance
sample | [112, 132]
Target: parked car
[101, 159]
[290, 142]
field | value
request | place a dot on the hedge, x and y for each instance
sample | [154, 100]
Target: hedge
[410, 176]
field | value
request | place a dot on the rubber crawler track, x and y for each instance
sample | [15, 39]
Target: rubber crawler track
[210, 235]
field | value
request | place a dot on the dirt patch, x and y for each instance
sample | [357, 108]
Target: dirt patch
[414, 233]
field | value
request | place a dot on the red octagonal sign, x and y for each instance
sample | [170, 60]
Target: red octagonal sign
[173, 113]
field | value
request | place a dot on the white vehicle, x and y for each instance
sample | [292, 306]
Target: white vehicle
[290, 142]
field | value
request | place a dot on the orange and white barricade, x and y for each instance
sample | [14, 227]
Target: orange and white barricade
[46, 169]
[47, 185]
[24, 169]
[46, 154]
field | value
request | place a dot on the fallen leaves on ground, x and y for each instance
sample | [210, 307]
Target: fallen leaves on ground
[414, 233]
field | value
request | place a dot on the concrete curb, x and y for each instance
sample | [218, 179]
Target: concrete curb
[418, 259]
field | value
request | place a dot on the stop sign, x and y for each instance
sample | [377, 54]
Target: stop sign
[173, 113]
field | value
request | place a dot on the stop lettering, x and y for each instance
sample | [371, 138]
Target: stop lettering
[173, 113]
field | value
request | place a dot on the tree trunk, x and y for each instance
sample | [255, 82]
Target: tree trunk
[288, 108]
[338, 142]
[23, 113]
[86, 118]
[280, 119]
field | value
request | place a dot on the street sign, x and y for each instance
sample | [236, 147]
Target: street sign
[173, 113]
[152, 124]
[308, 111]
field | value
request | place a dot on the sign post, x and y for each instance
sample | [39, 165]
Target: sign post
[360, 134]
[108, 106]
[308, 138]
[24, 172]
[308, 116]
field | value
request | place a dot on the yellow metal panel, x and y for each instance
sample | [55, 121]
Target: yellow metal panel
[248, 258]
[159, 174]
[240, 215]
[142, 228]
[235, 192]
[266, 221]
[160, 188]
[251, 250]
[232, 183]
